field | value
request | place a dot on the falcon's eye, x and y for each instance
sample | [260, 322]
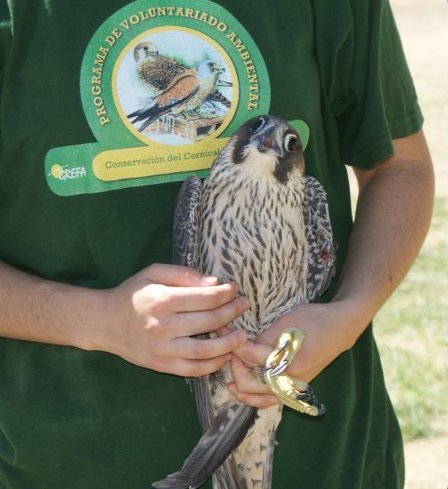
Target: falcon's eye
[258, 125]
[291, 142]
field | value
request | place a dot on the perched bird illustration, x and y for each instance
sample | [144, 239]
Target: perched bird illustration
[155, 70]
[175, 88]
[259, 221]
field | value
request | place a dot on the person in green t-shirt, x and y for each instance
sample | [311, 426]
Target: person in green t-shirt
[92, 315]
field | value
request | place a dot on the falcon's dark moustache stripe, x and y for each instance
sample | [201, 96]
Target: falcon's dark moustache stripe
[284, 167]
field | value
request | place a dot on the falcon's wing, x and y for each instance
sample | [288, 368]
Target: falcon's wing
[187, 223]
[186, 236]
[319, 237]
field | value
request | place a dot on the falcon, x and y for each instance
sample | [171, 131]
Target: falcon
[260, 221]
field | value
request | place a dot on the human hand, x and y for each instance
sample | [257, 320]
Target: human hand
[327, 335]
[152, 316]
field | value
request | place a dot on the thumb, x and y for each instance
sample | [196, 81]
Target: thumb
[177, 276]
[253, 354]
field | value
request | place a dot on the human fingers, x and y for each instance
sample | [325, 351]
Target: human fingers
[205, 349]
[254, 354]
[223, 331]
[246, 379]
[248, 389]
[194, 323]
[175, 275]
[187, 367]
[189, 299]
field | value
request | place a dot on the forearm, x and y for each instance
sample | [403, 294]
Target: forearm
[150, 320]
[35, 309]
[392, 218]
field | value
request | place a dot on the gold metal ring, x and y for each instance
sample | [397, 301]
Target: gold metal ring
[293, 393]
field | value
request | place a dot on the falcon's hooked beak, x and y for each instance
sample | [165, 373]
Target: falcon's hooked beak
[270, 135]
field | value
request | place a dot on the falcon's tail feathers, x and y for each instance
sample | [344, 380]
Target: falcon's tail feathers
[227, 431]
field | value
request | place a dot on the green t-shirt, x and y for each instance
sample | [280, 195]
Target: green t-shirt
[88, 420]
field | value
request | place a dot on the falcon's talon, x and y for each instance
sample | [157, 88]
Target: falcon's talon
[309, 393]
[307, 396]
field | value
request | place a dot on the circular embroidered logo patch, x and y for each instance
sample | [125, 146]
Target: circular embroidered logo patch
[155, 73]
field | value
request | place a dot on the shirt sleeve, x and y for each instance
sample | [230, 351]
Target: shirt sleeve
[366, 81]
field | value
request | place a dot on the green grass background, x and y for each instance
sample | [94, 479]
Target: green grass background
[411, 331]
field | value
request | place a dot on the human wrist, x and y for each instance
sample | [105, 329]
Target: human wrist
[353, 315]
[95, 320]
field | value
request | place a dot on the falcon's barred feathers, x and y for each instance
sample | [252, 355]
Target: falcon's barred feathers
[187, 220]
[260, 222]
[319, 239]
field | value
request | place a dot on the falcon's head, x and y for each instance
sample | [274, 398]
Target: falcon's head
[268, 145]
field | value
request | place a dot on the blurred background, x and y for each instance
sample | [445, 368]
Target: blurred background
[412, 330]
